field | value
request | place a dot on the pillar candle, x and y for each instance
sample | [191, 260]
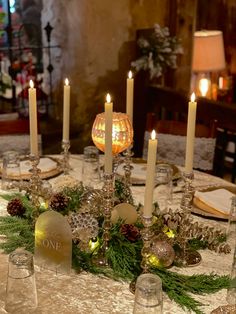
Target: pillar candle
[33, 119]
[192, 108]
[66, 111]
[150, 175]
[129, 96]
[108, 134]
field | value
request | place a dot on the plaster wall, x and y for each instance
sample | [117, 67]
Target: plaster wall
[96, 40]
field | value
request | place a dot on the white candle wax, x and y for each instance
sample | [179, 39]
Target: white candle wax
[33, 120]
[108, 134]
[192, 108]
[129, 96]
[66, 111]
[150, 175]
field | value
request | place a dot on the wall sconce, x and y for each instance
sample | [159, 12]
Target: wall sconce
[208, 59]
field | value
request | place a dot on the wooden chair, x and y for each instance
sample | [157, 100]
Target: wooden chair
[14, 135]
[171, 136]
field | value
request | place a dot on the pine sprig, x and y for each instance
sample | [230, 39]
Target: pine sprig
[124, 256]
[18, 232]
[178, 287]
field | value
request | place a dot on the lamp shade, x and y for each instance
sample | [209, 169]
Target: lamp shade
[122, 132]
[208, 51]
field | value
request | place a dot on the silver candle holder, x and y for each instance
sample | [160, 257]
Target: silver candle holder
[108, 197]
[65, 166]
[187, 197]
[147, 235]
[128, 154]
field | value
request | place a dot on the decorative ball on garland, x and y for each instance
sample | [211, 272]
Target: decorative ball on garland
[161, 253]
[59, 202]
[15, 207]
[92, 201]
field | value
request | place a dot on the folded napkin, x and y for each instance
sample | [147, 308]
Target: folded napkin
[217, 202]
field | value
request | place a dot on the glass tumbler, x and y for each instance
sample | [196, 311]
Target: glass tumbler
[163, 193]
[10, 169]
[148, 295]
[90, 168]
[21, 294]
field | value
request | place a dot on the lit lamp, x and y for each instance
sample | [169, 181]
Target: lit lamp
[208, 58]
[122, 132]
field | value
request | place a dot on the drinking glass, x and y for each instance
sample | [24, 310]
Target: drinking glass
[21, 294]
[10, 170]
[148, 295]
[163, 193]
[90, 168]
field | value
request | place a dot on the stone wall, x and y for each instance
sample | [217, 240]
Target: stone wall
[97, 44]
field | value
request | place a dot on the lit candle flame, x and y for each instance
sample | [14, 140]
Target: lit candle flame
[66, 82]
[153, 135]
[31, 84]
[108, 98]
[193, 97]
[130, 75]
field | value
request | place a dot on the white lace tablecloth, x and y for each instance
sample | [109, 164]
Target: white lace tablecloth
[90, 294]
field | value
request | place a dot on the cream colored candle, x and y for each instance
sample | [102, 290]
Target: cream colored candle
[150, 175]
[66, 111]
[129, 96]
[192, 108]
[108, 134]
[33, 120]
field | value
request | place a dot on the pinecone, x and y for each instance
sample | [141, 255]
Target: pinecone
[15, 207]
[130, 232]
[59, 202]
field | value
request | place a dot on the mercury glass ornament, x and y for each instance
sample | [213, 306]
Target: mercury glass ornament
[161, 253]
[122, 132]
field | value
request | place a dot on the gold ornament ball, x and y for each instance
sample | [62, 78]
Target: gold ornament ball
[161, 253]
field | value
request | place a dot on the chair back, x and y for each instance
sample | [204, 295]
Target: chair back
[171, 136]
[14, 135]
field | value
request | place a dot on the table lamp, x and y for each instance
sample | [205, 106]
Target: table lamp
[208, 59]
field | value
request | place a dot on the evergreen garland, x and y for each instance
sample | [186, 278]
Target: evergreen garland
[124, 257]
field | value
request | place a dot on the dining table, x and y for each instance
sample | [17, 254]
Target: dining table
[84, 292]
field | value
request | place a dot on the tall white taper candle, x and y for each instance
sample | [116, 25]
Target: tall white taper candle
[66, 111]
[129, 96]
[108, 134]
[192, 108]
[33, 119]
[150, 175]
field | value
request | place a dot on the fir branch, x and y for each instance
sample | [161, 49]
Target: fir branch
[178, 287]
[18, 232]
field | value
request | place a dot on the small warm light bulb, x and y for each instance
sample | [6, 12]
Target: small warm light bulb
[192, 97]
[66, 82]
[221, 82]
[108, 98]
[153, 135]
[130, 75]
[31, 83]
[203, 86]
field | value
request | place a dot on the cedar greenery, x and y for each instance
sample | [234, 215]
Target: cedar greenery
[124, 257]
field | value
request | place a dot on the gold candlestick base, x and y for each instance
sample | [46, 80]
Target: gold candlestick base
[65, 166]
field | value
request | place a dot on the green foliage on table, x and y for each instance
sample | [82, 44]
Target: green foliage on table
[123, 255]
